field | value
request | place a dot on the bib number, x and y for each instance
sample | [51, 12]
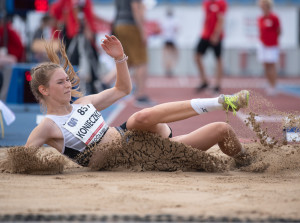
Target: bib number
[86, 124]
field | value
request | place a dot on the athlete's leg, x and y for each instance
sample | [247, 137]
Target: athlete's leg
[152, 119]
[207, 136]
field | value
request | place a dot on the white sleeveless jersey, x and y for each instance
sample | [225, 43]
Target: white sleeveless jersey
[69, 139]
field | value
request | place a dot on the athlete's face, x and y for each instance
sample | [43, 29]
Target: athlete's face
[60, 86]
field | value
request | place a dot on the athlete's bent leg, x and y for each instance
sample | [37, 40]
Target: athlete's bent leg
[209, 135]
[150, 119]
[153, 119]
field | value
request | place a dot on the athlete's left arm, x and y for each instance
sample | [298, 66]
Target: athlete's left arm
[102, 100]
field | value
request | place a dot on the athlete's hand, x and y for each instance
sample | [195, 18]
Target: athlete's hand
[113, 47]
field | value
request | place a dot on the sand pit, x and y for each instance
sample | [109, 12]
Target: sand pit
[267, 189]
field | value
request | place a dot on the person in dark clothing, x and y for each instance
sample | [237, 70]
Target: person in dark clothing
[79, 31]
[11, 52]
[130, 30]
[211, 37]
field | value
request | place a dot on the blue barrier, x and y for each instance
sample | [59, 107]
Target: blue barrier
[15, 93]
[18, 91]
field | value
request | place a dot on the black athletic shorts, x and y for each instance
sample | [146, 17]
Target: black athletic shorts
[203, 44]
[170, 44]
[123, 128]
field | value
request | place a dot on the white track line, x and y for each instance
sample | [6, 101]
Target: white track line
[290, 136]
[261, 118]
[243, 117]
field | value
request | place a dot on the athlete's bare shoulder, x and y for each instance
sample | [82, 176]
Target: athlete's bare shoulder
[45, 131]
[50, 127]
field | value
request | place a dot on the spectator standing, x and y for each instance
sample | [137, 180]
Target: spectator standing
[44, 32]
[211, 37]
[268, 50]
[129, 28]
[80, 37]
[11, 52]
[169, 32]
[10, 40]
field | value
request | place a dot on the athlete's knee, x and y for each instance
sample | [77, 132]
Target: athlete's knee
[142, 117]
[223, 128]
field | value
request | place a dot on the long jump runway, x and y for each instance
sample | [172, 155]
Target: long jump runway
[82, 195]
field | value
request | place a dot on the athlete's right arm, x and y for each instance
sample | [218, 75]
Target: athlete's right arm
[40, 134]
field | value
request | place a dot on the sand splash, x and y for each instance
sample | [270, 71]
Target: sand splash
[141, 151]
[270, 150]
[32, 160]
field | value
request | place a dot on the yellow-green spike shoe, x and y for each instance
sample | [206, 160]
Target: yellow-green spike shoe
[235, 102]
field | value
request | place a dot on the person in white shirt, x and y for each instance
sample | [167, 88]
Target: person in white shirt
[169, 33]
